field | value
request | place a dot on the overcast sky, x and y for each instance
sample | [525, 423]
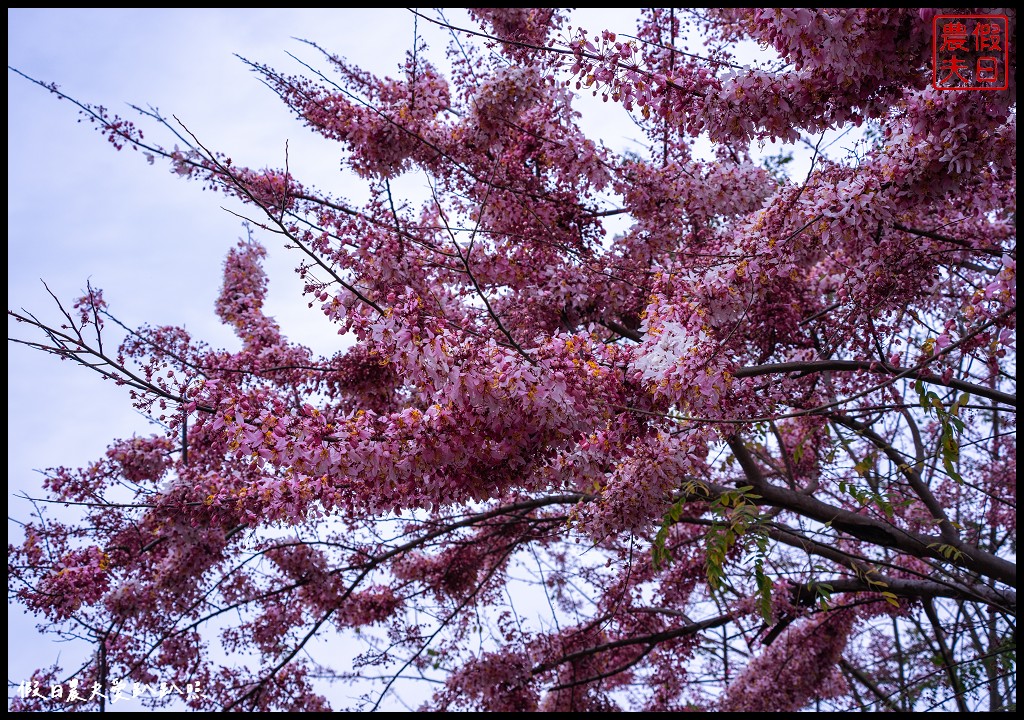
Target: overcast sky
[78, 211]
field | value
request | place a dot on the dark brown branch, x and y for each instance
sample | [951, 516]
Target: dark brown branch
[653, 638]
[622, 330]
[947, 657]
[945, 238]
[867, 682]
[812, 366]
[924, 590]
[949, 533]
[866, 528]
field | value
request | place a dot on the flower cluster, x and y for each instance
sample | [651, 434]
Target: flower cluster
[668, 394]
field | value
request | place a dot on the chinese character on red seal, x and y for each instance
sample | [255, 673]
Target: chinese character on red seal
[954, 37]
[970, 52]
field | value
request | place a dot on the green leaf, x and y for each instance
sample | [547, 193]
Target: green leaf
[798, 452]
[951, 471]
[764, 592]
